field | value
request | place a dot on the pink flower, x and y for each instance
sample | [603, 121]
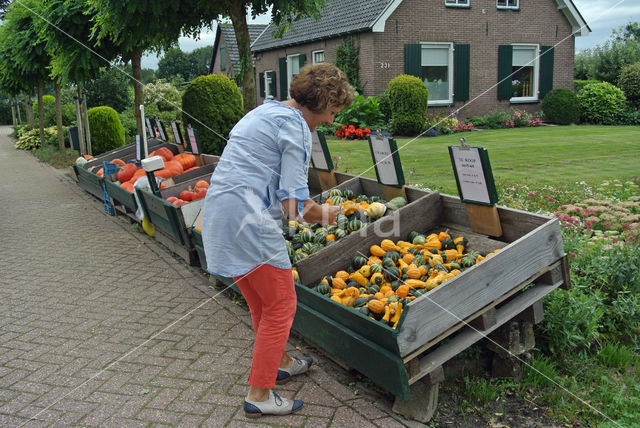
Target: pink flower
[531, 194]
[573, 255]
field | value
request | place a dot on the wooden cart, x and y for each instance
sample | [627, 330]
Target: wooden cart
[529, 266]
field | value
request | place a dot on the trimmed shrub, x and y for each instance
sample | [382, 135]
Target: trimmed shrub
[212, 105]
[363, 113]
[579, 84]
[106, 129]
[384, 105]
[601, 103]
[409, 97]
[561, 106]
[629, 82]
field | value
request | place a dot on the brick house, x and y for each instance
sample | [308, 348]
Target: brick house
[473, 55]
[226, 57]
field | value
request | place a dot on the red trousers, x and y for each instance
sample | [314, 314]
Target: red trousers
[271, 296]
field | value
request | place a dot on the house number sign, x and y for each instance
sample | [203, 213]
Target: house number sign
[384, 64]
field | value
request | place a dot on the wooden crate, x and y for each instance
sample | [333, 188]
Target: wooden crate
[531, 248]
[92, 183]
[120, 196]
[173, 224]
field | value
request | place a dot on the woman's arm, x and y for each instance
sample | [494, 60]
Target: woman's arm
[312, 212]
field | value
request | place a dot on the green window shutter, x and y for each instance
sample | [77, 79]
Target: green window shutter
[282, 68]
[413, 60]
[261, 83]
[505, 65]
[302, 59]
[546, 70]
[273, 87]
[461, 55]
[223, 57]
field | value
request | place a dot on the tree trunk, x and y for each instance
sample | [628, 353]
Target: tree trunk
[28, 106]
[136, 68]
[13, 113]
[56, 86]
[41, 113]
[238, 14]
[19, 113]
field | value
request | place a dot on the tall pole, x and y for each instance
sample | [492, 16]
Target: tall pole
[79, 121]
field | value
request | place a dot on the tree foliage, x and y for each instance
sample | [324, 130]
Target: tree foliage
[189, 65]
[110, 88]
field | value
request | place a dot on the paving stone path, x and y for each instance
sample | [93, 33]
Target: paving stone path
[101, 326]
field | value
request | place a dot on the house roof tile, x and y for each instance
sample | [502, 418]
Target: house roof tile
[338, 17]
[230, 40]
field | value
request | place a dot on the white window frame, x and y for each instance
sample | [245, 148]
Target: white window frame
[313, 57]
[427, 45]
[457, 3]
[267, 86]
[536, 72]
[506, 4]
[290, 59]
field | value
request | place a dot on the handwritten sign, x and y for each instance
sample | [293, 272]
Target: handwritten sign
[161, 130]
[320, 156]
[473, 175]
[152, 134]
[193, 140]
[386, 160]
[176, 133]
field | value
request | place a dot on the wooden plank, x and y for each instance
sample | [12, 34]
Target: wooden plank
[124, 197]
[484, 219]
[391, 192]
[469, 336]
[378, 364]
[423, 212]
[187, 254]
[444, 306]
[534, 313]
[485, 320]
[327, 179]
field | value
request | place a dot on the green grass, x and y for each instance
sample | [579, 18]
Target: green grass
[548, 155]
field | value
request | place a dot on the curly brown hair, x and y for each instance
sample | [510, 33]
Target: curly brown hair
[320, 87]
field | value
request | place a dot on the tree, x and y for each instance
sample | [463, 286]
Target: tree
[173, 63]
[200, 60]
[139, 25]
[24, 59]
[631, 31]
[110, 88]
[3, 7]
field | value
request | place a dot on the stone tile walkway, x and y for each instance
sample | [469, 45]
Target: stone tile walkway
[101, 326]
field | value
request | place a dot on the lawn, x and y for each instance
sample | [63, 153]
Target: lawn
[548, 155]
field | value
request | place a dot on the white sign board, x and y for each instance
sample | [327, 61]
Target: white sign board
[191, 135]
[176, 132]
[471, 176]
[318, 158]
[383, 153]
[160, 127]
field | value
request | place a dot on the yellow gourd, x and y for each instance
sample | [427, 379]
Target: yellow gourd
[377, 251]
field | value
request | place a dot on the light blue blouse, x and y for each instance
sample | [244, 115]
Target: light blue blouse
[265, 162]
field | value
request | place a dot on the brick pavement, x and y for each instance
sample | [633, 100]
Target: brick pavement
[101, 326]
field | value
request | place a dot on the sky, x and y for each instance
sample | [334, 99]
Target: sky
[602, 16]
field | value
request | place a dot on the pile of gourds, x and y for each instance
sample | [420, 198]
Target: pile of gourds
[303, 239]
[395, 273]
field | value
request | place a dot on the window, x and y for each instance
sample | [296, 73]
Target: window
[294, 64]
[459, 3]
[508, 4]
[524, 73]
[269, 84]
[437, 72]
[223, 57]
[317, 57]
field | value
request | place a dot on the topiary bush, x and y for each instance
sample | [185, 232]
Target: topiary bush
[561, 106]
[409, 97]
[106, 129]
[579, 84]
[212, 105]
[629, 82]
[601, 103]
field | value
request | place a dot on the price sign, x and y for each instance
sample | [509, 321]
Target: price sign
[320, 156]
[177, 134]
[152, 134]
[473, 174]
[386, 160]
[192, 135]
[161, 130]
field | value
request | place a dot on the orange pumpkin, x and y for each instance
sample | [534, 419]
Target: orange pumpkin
[187, 160]
[126, 172]
[128, 186]
[201, 184]
[376, 306]
[117, 161]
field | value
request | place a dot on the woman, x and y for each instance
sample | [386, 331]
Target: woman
[261, 176]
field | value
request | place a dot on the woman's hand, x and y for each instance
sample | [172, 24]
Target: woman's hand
[312, 212]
